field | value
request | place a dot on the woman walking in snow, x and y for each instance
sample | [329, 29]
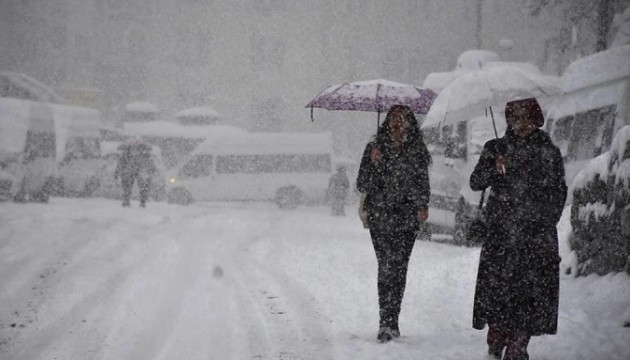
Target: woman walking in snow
[394, 178]
[518, 278]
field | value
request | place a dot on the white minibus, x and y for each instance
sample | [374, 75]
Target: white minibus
[288, 168]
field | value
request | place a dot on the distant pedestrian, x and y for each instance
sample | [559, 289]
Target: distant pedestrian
[394, 178]
[135, 165]
[518, 278]
[338, 187]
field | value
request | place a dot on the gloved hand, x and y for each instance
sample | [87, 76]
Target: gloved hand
[423, 215]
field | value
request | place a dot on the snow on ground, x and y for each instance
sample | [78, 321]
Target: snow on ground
[87, 279]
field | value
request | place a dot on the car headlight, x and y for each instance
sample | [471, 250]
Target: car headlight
[171, 180]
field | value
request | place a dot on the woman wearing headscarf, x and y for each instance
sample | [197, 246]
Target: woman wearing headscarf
[394, 178]
[518, 278]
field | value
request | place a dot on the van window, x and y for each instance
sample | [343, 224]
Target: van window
[276, 163]
[562, 133]
[199, 165]
[591, 133]
[39, 145]
[82, 148]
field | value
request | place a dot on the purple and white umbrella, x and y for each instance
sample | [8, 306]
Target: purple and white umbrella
[373, 95]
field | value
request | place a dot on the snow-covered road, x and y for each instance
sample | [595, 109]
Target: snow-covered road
[87, 279]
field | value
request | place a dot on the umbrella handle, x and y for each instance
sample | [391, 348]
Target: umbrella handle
[312, 118]
[494, 125]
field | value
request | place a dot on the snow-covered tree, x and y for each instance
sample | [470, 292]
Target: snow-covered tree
[590, 16]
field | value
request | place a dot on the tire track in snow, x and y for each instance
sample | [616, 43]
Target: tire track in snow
[53, 333]
[294, 325]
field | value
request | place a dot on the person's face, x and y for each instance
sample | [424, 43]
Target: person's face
[521, 123]
[397, 128]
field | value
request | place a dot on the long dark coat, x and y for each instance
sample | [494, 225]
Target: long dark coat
[396, 187]
[518, 278]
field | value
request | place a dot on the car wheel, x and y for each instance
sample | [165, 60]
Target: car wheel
[180, 195]
[288, 197]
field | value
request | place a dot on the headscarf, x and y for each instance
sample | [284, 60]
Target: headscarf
[535, 113]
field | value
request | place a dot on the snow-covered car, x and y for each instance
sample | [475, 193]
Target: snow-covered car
[600, 211]
[110, 187]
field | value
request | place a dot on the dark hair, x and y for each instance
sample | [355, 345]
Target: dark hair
[414, 135]
[535, 113]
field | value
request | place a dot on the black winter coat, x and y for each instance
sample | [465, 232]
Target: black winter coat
[518, 278]
[396, 187]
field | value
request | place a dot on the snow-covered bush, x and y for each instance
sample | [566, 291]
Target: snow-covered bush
[600, 211]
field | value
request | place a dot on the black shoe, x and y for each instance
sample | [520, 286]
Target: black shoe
[385, 334]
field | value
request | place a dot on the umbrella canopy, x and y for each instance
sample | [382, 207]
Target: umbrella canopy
[373, 95]
[474, 93]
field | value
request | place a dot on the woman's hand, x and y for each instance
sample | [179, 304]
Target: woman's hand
[376, 155]
[423, 215]
[500, 164]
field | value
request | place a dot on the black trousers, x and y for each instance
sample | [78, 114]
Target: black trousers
[393, 250]
[143, 186]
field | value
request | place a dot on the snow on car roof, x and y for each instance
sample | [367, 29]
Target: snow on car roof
[268, 143]
[162, 128]
[598, 68]
[199, 111]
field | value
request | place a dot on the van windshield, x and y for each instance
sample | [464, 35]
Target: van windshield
[273, 163]
[199, 165]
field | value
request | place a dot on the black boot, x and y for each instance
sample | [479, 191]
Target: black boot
[385, 334]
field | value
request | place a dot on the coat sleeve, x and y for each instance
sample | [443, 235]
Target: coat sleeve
[365, 179]
[485, 173]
